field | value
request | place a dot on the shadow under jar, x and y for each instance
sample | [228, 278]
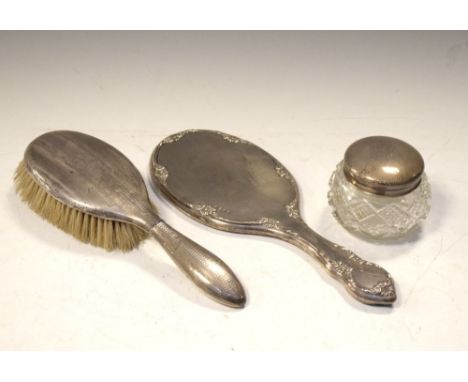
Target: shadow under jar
[379, 190]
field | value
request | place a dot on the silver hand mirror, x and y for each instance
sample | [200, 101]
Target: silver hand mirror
[233, 185]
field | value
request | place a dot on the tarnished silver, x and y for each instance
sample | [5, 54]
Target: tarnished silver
[231, 184]
[383, 165]
[88, 174]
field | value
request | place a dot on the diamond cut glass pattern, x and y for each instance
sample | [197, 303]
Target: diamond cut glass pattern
[377, 216]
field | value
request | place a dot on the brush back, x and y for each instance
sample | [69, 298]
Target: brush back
[90, 175]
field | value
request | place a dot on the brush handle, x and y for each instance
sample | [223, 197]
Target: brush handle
[206, 270]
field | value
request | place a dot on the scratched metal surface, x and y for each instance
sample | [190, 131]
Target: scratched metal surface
[305, 98]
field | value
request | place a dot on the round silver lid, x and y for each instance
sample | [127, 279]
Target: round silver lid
[383, 165]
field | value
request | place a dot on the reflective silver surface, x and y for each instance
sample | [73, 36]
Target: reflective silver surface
[94, 177]
[233, 185]
[383, 165]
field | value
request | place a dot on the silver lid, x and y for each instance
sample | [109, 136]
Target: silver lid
[383, 165]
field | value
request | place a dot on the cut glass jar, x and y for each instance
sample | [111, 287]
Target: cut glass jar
[379, 190]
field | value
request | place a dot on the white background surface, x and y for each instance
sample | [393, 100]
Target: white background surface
[302, 97]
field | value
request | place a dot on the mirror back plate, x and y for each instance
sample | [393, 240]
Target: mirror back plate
[226, 182]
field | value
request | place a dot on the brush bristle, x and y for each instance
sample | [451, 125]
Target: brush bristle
[105, 233]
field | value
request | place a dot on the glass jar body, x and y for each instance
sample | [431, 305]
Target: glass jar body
[377, 217]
